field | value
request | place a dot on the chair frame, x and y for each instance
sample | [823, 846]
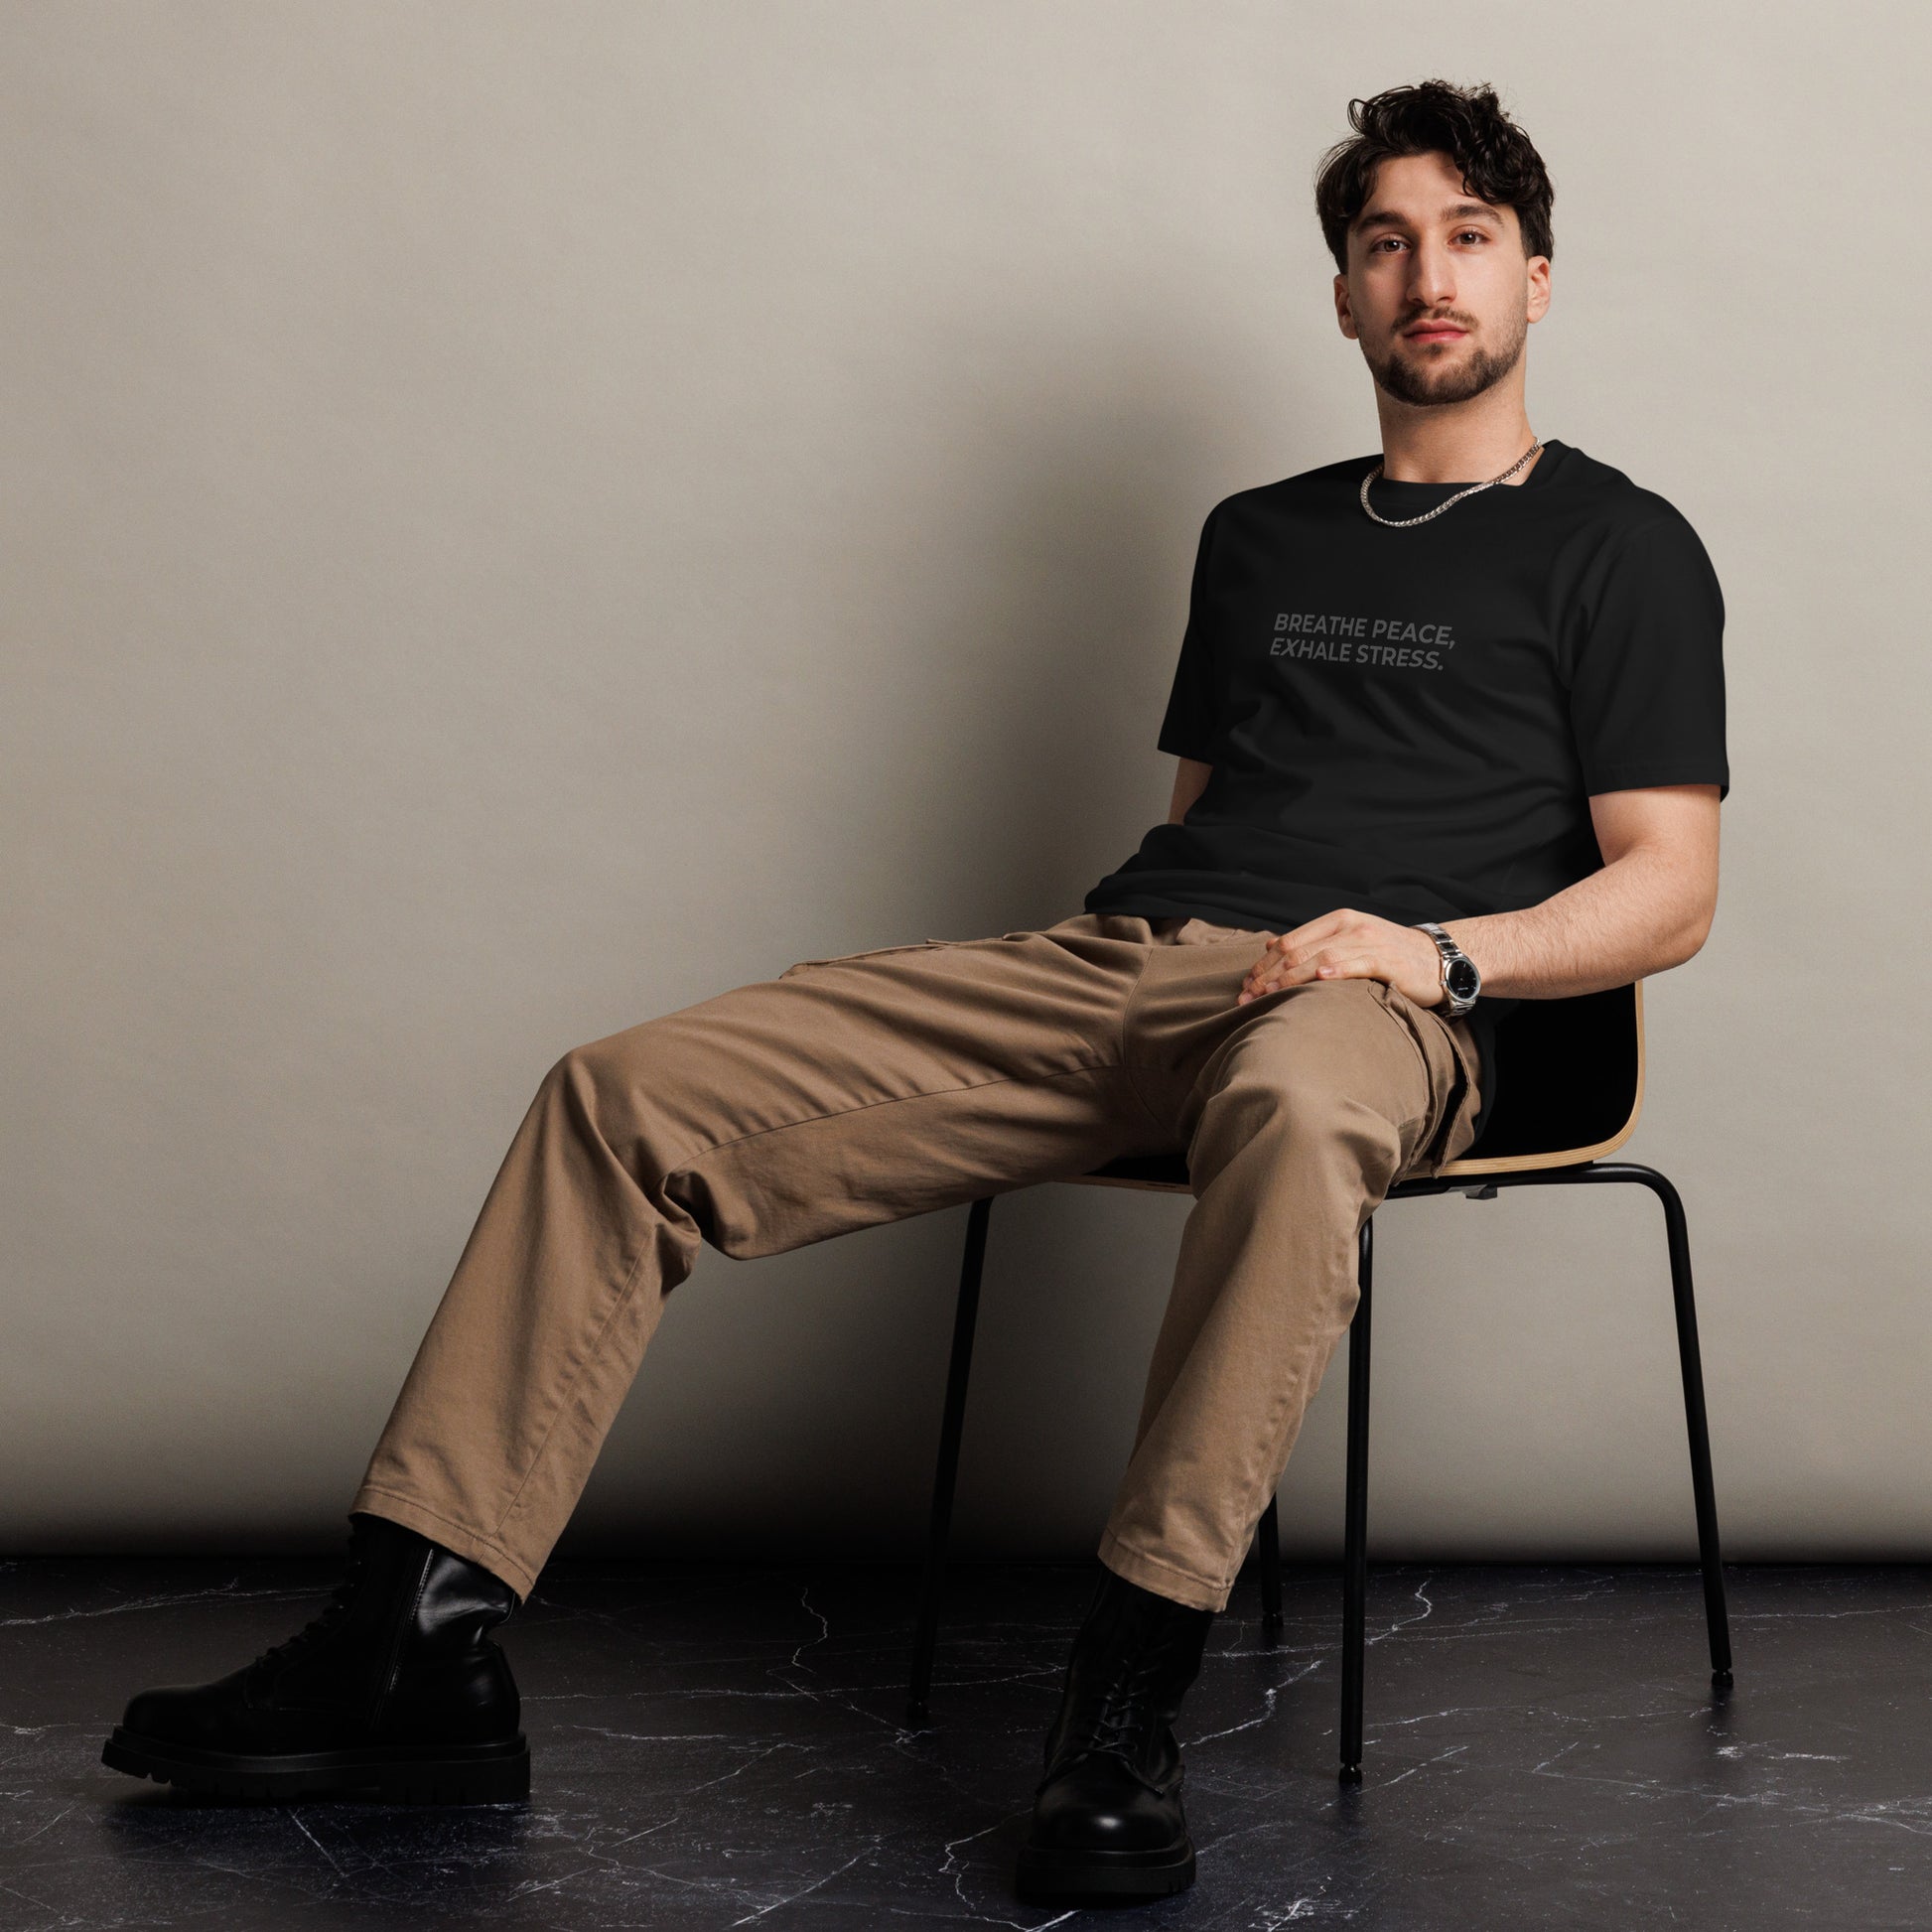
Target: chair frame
[1479, 1179]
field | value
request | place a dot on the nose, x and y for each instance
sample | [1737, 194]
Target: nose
[1432, 277]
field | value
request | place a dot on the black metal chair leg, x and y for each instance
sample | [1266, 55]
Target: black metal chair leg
[1269, 1536]
[1692, 1365]
[945, 1476]
[1354, 1564]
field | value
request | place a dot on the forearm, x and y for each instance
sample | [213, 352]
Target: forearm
[1644, 914]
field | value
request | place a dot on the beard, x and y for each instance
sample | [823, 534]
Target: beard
[1413, 376]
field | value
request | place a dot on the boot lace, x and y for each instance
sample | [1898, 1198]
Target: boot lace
[1112, 1723]
[325, 1622]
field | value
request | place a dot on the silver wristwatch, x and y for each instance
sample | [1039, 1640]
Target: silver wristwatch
[1461, 980]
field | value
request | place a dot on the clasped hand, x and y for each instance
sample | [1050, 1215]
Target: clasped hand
[1346, 944]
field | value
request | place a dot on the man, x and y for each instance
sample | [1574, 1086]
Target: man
[1451, 731]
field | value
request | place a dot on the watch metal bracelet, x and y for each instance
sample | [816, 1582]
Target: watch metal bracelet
[1457, 967]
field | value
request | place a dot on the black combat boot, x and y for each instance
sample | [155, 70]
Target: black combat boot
[394, 1694]
[1107, 1818]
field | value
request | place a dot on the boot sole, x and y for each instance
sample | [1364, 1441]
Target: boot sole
[392, 1774]
[1071, 1871]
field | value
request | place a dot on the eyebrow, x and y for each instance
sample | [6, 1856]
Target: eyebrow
[1388, 217]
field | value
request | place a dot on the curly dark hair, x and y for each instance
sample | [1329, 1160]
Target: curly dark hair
[1498, 162]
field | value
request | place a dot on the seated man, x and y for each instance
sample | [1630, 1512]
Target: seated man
[1438, 740]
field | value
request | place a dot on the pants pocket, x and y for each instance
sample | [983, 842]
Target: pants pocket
[1450, 1128]
[847, 958]
[1461, 1133]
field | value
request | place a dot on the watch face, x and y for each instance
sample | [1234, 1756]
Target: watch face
[1464, 977]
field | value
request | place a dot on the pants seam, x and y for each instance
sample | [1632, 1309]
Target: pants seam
[890, 1100]
[618, 1302]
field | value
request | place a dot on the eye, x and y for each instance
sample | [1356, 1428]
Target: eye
[1477, 233]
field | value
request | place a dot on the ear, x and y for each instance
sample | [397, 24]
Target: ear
[1539, 287]
[1343, 314]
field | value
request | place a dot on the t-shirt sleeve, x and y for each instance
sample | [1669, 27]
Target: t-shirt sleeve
[1647, 693]
[1188, 729]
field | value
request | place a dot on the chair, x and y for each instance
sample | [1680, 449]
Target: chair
[1569, 1092]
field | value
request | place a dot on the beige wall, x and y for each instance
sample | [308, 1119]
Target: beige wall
[519, 517]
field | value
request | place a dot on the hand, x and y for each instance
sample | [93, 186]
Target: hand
[1346, 944]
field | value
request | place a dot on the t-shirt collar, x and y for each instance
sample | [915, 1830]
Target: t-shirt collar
[1422, 496]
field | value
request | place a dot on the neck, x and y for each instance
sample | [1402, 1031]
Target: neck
[1461, 443]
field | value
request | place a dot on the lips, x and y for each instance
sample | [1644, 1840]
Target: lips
[1434, 332]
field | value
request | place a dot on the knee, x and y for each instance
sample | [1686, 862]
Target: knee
[1302, 1116]
[608, 1089]
[1275, 1095]
[575, 1079]
[612, 1064]
[585, 1067]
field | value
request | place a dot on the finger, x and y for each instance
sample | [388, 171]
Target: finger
[1282, 949]
[1350, 966]
[1313, 931]
[1325, 964]
[1270, 980]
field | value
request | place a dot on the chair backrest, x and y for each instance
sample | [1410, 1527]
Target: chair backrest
[1569, 1090]
[1570, 1085]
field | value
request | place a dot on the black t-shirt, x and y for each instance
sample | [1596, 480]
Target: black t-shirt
[1411, 722]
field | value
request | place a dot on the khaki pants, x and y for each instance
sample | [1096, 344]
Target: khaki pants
[848, 1092]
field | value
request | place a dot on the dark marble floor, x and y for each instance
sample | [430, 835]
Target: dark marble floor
[723, 1746]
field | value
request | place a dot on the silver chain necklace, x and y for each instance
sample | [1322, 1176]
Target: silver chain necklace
[1403, 522]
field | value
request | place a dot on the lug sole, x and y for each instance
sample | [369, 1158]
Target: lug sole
[1074, 1872]
[391, 1774]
